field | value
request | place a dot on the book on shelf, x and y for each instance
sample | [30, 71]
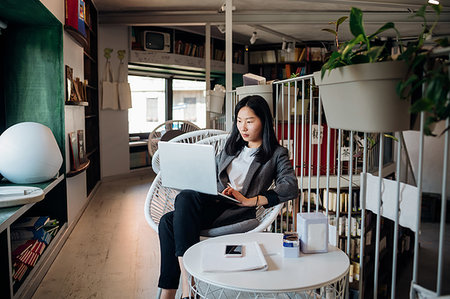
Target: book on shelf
[34, 222]
[344, 200]
[316, 53]
[29, 237]
[302, 54]
[253, 79]
[313, 199]
[261, 57]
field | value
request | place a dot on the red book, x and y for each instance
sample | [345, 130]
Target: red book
[72, 13]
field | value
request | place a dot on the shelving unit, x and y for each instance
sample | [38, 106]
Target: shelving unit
[92, 112]
[32, 89]
[89, 44]
[187, 50]
[80, 169]
[273, 63]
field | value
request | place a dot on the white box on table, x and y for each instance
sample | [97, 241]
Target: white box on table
[312, 229]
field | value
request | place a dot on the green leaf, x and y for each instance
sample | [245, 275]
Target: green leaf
[330, 31]
[421, 12]
[390, 136]
[383, 28]
[356, 23]
[443, 42]
[341, 20]
[374, 53]
[351, 44]
[419, 60]
[437, 8]
[423, 104]
[358, 59]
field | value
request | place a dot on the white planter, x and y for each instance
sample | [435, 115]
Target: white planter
[363, 97]
[261, 90]
[285, 98]
[216, 100]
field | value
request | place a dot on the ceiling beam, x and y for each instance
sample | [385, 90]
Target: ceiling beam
[253, 18]
[370, 3]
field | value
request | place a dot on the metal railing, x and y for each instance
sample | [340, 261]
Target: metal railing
[305, 136]
[322, 159]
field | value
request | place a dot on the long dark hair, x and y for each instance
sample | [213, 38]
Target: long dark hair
[235, 143]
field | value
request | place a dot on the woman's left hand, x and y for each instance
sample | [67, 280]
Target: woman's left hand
[245, 202]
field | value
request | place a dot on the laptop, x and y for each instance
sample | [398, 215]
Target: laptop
[189, 166]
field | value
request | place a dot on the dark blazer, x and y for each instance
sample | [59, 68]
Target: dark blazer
[260, 176]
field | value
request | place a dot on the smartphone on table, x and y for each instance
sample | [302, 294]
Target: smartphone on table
[233, 251]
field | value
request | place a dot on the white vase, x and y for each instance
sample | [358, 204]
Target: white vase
[29, 153]
[264, 91]
[216, 100]
[362, 97]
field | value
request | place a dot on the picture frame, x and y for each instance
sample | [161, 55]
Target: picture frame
[81, 147]
[74, 156]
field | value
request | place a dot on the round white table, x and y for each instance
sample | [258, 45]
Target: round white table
[320, 275]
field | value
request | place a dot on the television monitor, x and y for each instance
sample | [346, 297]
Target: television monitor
[156, 41]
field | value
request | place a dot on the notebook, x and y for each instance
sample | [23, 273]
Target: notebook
[214, 259]
[189, 166]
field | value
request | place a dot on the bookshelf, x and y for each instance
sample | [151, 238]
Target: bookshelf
[91, 119]
[187, 50]
[405, 242]
[91, 116]
[32, 89]
[273, 63]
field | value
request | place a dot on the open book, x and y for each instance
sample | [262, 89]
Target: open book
[214, 260]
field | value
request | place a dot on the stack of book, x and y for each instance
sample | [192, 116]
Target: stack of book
[30, 236]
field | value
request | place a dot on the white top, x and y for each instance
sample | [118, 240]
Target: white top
[309, 271]
[238, 168]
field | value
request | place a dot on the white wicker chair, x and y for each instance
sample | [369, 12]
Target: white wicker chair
[160, 200]
[189, 137]
[167, 131]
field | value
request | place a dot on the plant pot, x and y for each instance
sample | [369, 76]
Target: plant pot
[216, 100]
[264, 91]
[290, 112]
[362, 97]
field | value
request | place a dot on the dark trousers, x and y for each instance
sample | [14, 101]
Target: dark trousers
[180, 229]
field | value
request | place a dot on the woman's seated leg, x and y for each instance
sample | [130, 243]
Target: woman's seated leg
[170, 271]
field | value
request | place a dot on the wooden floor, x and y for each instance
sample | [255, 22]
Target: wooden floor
[112, 252]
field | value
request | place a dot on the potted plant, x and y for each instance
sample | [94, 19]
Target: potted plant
[362, 85]
[428, 73]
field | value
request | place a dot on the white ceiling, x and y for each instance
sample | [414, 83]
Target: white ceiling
[272, 19]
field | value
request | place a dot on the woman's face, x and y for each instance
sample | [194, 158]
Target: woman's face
[250, 127]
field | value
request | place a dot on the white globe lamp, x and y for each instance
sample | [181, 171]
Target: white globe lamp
[29, 153]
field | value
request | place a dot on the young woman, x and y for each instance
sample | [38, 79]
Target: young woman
[250, 162]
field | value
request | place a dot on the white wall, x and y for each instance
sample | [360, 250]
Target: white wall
[114, 148]
[56, 7]
[433, 159]
[74, 115]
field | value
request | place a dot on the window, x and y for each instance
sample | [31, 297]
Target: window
[148, 96]
[189, 101]
[152, 110]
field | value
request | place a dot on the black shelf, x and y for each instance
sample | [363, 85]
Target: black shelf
[92, 152]
[79, 170]
[90, 57]
[92, 111]
[73, 103]
[77, 36]
[89, 116]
